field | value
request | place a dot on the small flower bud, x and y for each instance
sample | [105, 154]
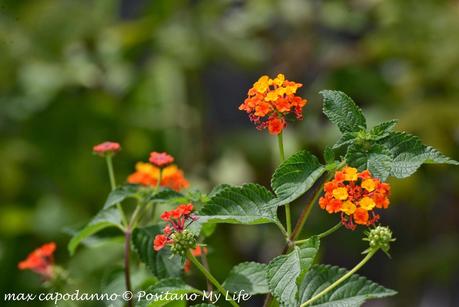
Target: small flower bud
[183, 241]
[379, 238]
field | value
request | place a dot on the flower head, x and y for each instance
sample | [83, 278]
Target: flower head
[160, 159]
[355, 195]
[40, 261]
[106, 149]
[148, 175]
[175, 233]
[269, 101]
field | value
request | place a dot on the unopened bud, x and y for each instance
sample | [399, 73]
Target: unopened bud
[379, 238]
[183, 241]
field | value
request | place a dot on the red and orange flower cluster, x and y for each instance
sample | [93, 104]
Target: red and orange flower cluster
[355, 195]
[270, 100]
[40, 261]
[178, 219]
[160, 169]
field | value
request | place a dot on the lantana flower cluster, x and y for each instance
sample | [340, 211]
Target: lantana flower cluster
[269, 101]
[159, 169]
[40, 261]
[175, 233]
[355, 195]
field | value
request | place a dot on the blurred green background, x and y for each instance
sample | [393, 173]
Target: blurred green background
[170, 75]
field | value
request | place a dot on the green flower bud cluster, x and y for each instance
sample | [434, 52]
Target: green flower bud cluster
[183, 241]
[379, 238]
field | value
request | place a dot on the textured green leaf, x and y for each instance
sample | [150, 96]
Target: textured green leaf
[295, 176]
[346, 139]
[373, 157]
[166, 195]
[285, 271]
[409, 154]
[175, 287]
[104, 219]
[247, 204]
[217, 189]
[162, 264]
[121, 193]
[249, 277]
[379, 165]
[351, 293]
[383, 129]
[342, 111]
[329, 155]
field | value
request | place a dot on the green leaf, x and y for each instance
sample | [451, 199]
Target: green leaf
[207, 229]
[175, 287]
[380, 165]
[409, 154]
[383, 129]
[295, 176]
[347, 138]
[166, 195]
[104, 219]
[342, 111]
[285, 271]
[247, 204]
[329, 155]
[352, 292]
[121, 193]
[249, 277]
[375, 158]
[217, 189]
[162, 263]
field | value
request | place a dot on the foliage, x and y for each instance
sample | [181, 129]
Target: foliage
[290, 278]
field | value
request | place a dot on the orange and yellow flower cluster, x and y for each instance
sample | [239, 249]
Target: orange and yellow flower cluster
[269, 101]
[148, 174]
[40, 261]
[355, 195]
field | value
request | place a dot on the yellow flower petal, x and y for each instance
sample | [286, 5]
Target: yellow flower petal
[369, 185]
[367, 203]
[350, 174]
[340, 193]
[348, 207]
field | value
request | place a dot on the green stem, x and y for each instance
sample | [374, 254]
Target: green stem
[280, 142]
[127, 272]
[323, 234]
[111, 175]
[288, 219]
[160, 177]
[127, 230]
[341, 279]
[308, 208]
[209, 276]
[330, 231]
[305, 213]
